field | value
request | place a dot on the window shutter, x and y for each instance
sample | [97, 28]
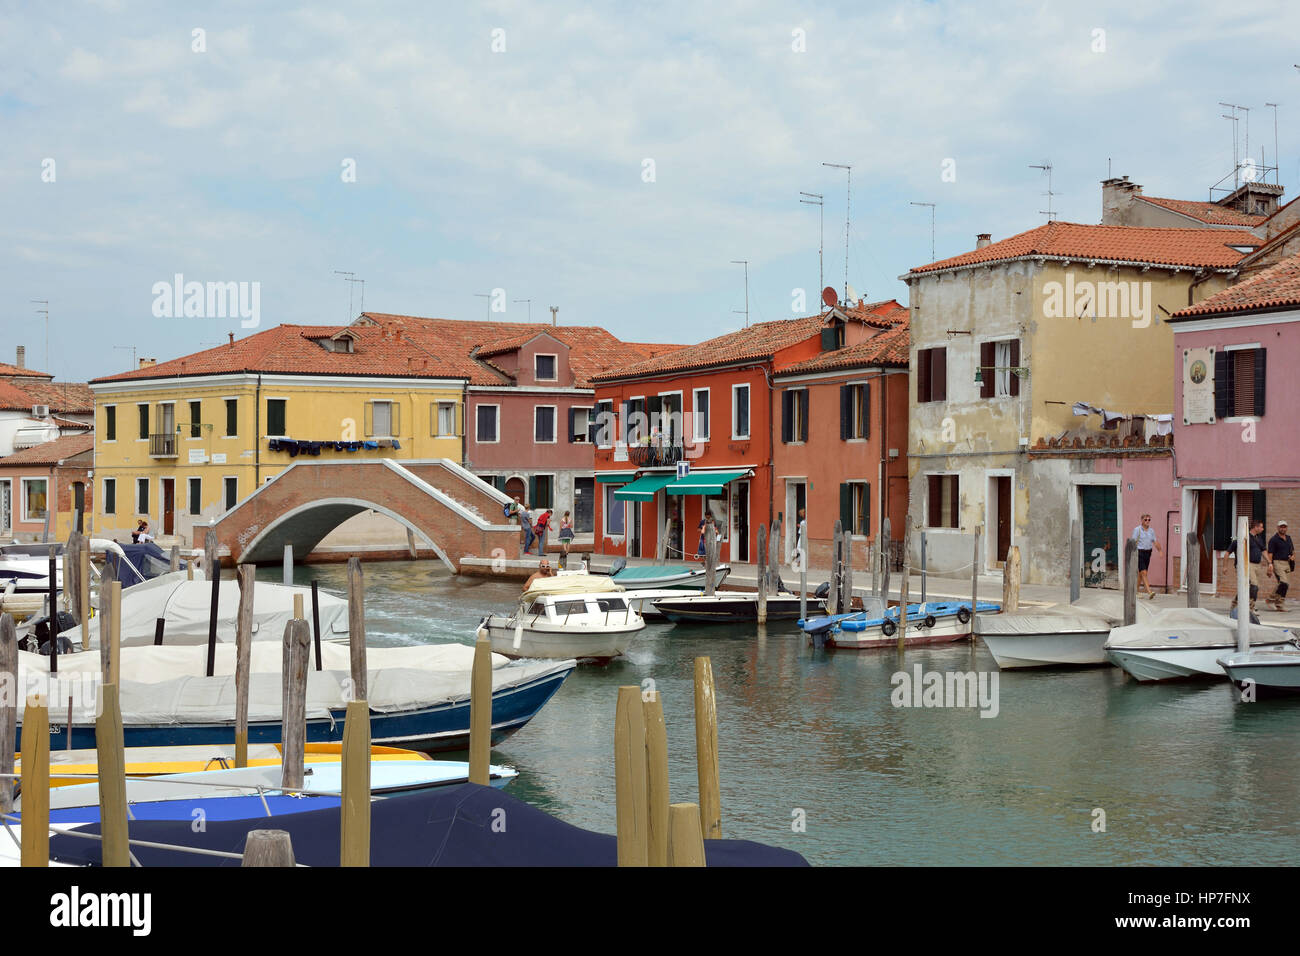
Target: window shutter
[923, 375]
[787, 397]
[573, 414]
[532, 491]
[934, 505]
[828, 338]
[866, 509]
[459, 417]
[803, 416]
[866, 409]
[988, 377]
[1015, 360]
[846, 507]
[844, 411]
[500, 482]
[397, 419]
[939, 375]
[1222, 520]
[1259, 507]
[954, 501]
[1259, 381]
[1222, 393]
[368, 422]
[434, 424]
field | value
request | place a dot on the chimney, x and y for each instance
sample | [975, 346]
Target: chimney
[146, 362]
[21, 360]
[983, 239]
[232, 338]
[1117, 201]
[555, 309]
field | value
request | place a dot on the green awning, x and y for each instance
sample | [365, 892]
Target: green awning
[644, 488]
[607, 477]
[704, 482]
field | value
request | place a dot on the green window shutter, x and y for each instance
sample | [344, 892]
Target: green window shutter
[846, 507]
[866, 509]
[845, 398]
[866, 408]
[532, 491]
[1259, 383]
[1222, 520]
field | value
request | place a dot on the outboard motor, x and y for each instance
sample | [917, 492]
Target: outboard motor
[619, 564]
[823, 591]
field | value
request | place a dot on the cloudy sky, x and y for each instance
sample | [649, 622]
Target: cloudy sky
[610, 161]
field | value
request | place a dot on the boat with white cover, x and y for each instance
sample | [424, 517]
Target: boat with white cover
[1273, 668]
[1060, 635]
[660, 576]
[582, 616]
[1185, 642]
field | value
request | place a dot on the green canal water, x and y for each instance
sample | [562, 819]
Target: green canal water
[814, 756]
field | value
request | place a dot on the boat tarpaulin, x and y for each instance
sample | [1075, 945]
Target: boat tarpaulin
[704, 482]
[607, 477]
[644, 488]
[445, 826]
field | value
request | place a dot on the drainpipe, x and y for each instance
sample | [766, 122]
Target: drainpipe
[257, 436]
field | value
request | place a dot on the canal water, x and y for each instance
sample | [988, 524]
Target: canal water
[1077, 767]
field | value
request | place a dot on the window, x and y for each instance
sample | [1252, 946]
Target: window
[666, 418]
[35, 495]
[613, 511]
[232, 492]
[932, 375]
[855, 507]
[144, 421]
[1239, 382]
[700, 401]
[794, 415]
[195, 420]
[611, 604]
[634, 424]
[196, 496]
[110, 496]
[544, 368]
[142, 496]
[601, 429]
[855, 409]
[943, 510]
[110, 423]
[541, 494]
[232, 417]
[1229, 505]
[383, 419]
[740, 411]
[996, 361]
[275, 415]
[544, 424]
[579, 424]
[833, 336]
[486, 419]
[445, 419]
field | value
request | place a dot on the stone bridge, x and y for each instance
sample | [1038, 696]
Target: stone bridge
[441, 503]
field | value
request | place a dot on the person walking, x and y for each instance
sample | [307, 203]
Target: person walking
[1257, 551]
[1145, 536]
[566, 537]
[540, 529]
[1281, 555]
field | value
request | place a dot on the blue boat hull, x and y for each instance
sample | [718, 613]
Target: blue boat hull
[434, 729]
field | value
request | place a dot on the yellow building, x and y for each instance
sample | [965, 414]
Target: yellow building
[179, 443]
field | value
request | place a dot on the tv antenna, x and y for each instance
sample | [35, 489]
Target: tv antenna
[132, 348]
[530, 307]
[351, 277]
[745, 263]
[818, 200]
[931, 205]
[1236, 156]
[45, 312]
[1046, 167]
[848, 199]
[1277, 157]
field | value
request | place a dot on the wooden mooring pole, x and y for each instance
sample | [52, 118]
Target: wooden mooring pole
[1130, 581]
[293, 734]
[214, 574]
[8, 708]
[837, 567]
[710, 555]
[354, 816]
[886, 559]
[357, 628]
[685, 842]
[762, 574]
[268, 848]
[112, 779]
[1192, 563]
[905, 583]
[35, 850]
[480, 713]
[243, 659]
[656, 755]
[630, 790]
[975, 578]
[83, 589]
[706, 749]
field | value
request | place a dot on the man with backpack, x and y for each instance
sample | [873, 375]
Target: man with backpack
[540, 528]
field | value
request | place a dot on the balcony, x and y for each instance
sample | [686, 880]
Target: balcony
[162, 446]
[654, 455]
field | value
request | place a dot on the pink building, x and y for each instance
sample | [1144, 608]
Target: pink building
[1237, 394]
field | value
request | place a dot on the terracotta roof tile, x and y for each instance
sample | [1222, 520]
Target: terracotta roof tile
[757, 342]
[51, 452]
[68, 397]
[13, 371]
[1207, 212]
[1061, 240]
[887, 347]
[1276, 287]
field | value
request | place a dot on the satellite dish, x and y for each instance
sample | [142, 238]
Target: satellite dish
[852, 293]
[830, 297]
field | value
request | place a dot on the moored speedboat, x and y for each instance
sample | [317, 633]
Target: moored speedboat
[661, 576]
[1184, 642]
[937, 622]
[546, 624]
[1064, 635]
[1277, 669]
[732, 607]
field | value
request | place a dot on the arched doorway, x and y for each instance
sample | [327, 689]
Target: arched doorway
[516, 487]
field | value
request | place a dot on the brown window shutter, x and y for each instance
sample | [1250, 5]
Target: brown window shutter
[988, 377]
[1244, 373]
[939, 375]
[923, 375]
[1015, 361]
[934, 498]
[953, 502]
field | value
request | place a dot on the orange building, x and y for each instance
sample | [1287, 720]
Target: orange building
[694, 432]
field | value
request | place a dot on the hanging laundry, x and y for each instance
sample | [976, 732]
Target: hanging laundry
[1083, 408]
[1164, 424]
[395, 445]
[1110, 420]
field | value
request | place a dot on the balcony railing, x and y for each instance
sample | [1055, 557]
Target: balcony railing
[650, 456]
[162, 446]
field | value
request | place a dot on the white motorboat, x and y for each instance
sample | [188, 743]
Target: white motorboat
[1273, 668]
[186, 607]
[660, 576]
[1184, 642]
[551, 621]
[28, 567]
[1060, 635]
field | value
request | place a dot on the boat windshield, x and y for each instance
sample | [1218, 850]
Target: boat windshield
[570, 607]
[611, 604]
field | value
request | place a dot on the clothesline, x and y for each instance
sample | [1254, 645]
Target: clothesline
[1110, 419]
[297, 446]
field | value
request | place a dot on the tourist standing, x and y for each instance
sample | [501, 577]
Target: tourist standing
[1256, 557]
[566, 535]
[1145, 536]
[1281, 555]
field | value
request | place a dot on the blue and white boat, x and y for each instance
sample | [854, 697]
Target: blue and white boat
[934, 622]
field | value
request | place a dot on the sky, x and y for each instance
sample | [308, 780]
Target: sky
[612, 161]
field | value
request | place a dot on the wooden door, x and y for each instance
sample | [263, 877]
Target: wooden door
[1003, 517]
[168, 505]
[1205, 534]
[584, 505]
[1100, 548]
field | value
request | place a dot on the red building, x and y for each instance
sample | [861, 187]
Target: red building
[711, 410]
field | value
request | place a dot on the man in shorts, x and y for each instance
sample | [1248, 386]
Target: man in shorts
[1145, 536]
